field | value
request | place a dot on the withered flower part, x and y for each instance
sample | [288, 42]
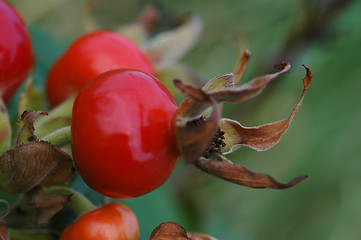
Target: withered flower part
[26, 121]
[41, 206]
[31, 165]
[204, 138]
[33, 162]
[174, 231]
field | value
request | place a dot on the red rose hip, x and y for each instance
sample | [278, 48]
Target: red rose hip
[89, 56]
[114, 221]
[122, 133]
[15, 51]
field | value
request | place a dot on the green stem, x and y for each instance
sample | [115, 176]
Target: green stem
[60, 137]
[78, 202]
[57, 118]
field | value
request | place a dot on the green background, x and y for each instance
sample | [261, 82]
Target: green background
[324, 140]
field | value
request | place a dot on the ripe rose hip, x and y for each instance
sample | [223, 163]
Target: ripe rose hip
[114, 221]
[89, 56]
[15, 51]
[123, 141]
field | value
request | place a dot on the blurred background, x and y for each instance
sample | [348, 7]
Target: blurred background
[324, 140]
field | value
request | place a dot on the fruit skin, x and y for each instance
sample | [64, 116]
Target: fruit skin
[113, 221]
[123, 139]
[89, 56]
[15, 51]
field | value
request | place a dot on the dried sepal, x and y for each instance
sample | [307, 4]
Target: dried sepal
[196, 124]
[194, 106]
[26, 121]
[5, 128]
[220, 88]
[262, 137]
[241, 66]
[179, 71]
[42, 206]
[251, 88]
[194, 132]
[168, 47]
[226, 170]
[219, 82]
[174, 231]
[32, 164]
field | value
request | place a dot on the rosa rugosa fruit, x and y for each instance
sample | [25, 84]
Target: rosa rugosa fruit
[15, 51]
[89, 56]
[113, 221]
[123, 139]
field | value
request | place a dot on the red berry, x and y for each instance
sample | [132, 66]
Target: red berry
[15, 51]
[89, 56]
[114, 221]
[122, 133]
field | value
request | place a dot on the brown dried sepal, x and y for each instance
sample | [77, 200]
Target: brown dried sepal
[42, 206]
[193, 139]
[250, 89]
[226, 170]
[26, 133]
[198, 127]
[240, 68]
[194, 132]
[174, 231]
[32, 164]
[262, 137]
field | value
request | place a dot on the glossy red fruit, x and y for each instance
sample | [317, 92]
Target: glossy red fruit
[114, 221]
[15, 51]
[89, 56]
[122, 136]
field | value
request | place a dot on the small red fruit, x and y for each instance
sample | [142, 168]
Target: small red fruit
[89, 56]
[123, 139]
[15, 51]
[114, 221]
